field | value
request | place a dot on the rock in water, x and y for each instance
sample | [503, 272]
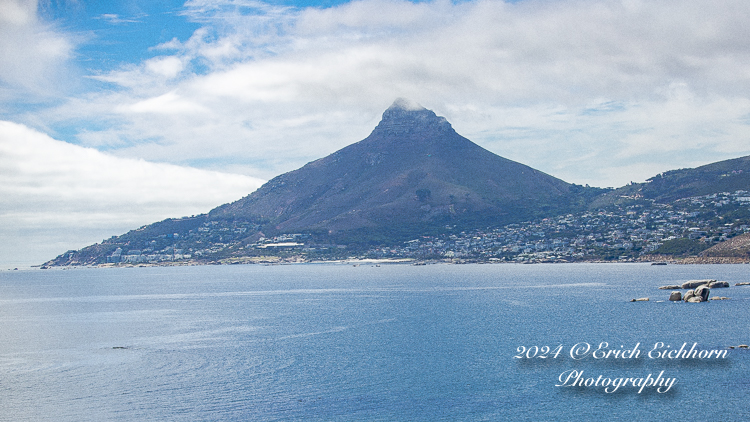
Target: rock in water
[675, 297]
[641, 299]
[670, 287]
[695, 283]
[703, 292]
[689, 294]
[718, 284]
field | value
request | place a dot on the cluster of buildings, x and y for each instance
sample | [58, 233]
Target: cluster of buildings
[619, 232]
[135, 256]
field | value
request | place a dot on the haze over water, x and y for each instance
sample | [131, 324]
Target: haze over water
[338, 342]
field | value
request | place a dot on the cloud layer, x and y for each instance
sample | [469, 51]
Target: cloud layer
[598, 92]
[57, 196]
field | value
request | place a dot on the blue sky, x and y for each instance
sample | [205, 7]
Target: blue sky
[224, 94]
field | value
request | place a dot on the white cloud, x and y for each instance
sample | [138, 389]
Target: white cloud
[34, 55]
[116, 19]
[16, 12]
[168, 67]
[77, 196]
[169, 103]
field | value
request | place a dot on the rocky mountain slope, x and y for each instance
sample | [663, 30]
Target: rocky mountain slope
[413, 171]
[736, 247]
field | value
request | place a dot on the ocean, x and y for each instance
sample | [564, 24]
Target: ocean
[339, 342]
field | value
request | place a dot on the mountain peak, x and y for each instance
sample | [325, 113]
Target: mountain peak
[406, 116]
[406, 104]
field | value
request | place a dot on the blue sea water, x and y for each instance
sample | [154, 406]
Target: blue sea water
[334, 342]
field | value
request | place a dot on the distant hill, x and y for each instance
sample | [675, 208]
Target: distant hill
[723, 176]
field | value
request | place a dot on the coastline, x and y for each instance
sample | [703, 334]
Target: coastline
[274, 260]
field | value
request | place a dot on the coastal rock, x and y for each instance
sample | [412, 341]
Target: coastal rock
[744, 283]
[689, 294]
[719, 298]
[718, 284]
[670, 287]
[641, 299]
[694, 299]
[695, 283]
[703, 292]
[675, 297]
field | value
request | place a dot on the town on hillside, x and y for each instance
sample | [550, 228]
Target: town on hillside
[636, 229]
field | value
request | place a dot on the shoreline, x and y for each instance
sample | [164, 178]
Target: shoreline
[271, 260]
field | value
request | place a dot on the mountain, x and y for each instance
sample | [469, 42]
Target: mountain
[412, 175]
[412, 172]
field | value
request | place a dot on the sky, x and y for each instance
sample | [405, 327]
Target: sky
[116, 114]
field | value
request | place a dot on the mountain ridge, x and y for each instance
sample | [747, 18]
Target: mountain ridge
[721, 176]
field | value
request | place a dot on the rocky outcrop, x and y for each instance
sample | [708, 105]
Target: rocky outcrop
[718, 284]
[702, 292]
[695, 283]
[670, 287]
[642, 299]
[713, 260]
[675, 297]
[744, 283]
[736, 247]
